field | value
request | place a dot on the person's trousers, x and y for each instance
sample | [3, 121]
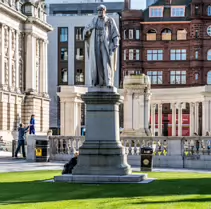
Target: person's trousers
[21, 144]
[31, 131]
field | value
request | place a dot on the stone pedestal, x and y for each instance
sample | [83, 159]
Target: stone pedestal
[102, 152]
[102, 157]
[136, 106]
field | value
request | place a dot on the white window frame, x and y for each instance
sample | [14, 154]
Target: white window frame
[137, 54]
[209, 55]
[209, 10]
[209, 77]
[178, 53]
[178, 11]
[130, 54]
[125, 54]
[137, 34]
[156, 12]
[130, 33]
[156, 77]
[155, 55]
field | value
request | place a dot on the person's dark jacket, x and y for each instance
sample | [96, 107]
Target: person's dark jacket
[22, 133]
[68, 167]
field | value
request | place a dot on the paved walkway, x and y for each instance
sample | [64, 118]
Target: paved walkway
[8, 164]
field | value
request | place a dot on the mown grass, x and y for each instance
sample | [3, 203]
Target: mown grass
[26, 190]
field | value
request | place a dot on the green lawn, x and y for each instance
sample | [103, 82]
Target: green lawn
[169, 191]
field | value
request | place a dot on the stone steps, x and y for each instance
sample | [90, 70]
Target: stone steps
[100, 178]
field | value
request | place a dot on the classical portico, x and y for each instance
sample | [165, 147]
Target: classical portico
[179, 98]
[23, 66]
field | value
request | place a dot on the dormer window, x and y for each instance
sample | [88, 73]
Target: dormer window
[156, 12]
[178, 11]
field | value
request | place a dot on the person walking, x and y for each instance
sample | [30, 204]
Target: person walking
[21, 139]
[32, 125]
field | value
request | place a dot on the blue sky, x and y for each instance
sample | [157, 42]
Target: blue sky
[135, 4]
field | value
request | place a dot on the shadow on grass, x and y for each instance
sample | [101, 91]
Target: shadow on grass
[34, 191]
[202, 200]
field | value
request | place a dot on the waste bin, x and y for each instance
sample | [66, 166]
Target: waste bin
[146, 159]
[42, 151]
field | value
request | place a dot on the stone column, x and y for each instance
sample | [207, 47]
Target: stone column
[30, 63]
[128, 110]
[17, 61]
[10, 58]
[160, 120]
[173, 107]
[43, 68]
[147, 97]
[153, 106]
[136, 105]
[180, 119]
[192, 122]
[196, 117]
[2, 79]
[70, 109]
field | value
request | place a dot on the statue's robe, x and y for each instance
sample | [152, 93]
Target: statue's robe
[101, 38]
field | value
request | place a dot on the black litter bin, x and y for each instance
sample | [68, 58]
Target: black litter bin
[146, 159]
[42, 151]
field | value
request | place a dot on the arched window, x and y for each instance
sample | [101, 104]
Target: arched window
[209, 77]
[166, 34]
[151, 35]
[181, 34]
[209, 55]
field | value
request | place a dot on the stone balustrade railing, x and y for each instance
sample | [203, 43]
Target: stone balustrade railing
[181, 152]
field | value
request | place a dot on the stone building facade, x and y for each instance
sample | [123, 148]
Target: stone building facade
[23, 66]
[170, 41]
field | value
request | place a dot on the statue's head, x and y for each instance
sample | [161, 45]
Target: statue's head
[101, 10]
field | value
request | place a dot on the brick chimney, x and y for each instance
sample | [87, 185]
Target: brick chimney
[127, 4]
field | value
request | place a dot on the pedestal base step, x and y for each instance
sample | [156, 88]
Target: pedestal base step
[100, 178]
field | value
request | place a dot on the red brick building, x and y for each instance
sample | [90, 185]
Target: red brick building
[170, 41]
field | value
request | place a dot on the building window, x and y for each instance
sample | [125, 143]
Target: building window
[196, 10]
[209, 10]
[197, 34]
[178, 77]
[137, 34]
[125, 54]
[156, 12]
[154, 55]
[178, 54]
[130, 34]
[79, 54]
[63, 34]
[181, 34]
[209, 30]
[209, 77]
[79, 78]
[64, 54]
[130, 54]
[64, 75]
[137, 54]
[151, 35]
[196, 54]
[156, 77]
[166, 35]
[177, 11]
[79, 34]
[209, 55]
[196, 76]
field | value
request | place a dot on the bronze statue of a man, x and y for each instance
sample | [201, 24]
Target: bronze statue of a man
[101, 42]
